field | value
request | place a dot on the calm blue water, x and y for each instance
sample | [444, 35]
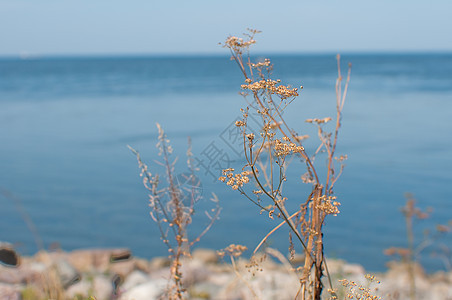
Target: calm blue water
[65, 124]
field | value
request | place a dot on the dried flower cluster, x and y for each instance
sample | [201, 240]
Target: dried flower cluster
[410, 210]
[443, 228]
[319, 121]
[237, 44]
[255, 262]
[357, 291]
[286, 147]
[300, 138]
[271, 87]
[232, 250]
[403, 252]
[265, 63]
[235, 180]
[341, 158]
[239, 123]
[371, 278]
[328, 205]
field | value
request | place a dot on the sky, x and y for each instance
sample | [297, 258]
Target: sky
[148, 27]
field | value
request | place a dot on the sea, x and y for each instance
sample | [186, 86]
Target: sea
[69, 180]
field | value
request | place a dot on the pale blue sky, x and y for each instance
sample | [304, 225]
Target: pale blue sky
[112, 27]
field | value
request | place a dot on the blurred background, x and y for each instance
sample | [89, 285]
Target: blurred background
[81, 80]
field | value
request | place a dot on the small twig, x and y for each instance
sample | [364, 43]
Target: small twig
[236, 271]
[272, 231]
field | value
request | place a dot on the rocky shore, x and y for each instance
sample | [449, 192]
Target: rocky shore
[116, 274]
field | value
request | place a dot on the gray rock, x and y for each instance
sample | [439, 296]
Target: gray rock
[123, 268]
[142, 265]
[11, 275]
[193, 271]
[67, 273]
[204, 290]
[206, 256]
[8, 255]
[99, 286]
[159, 263]
[99, 260]
[80, 288]
[335, 266]
[440, 291]
[353, 269]
[149, 290]
[9, 292]
[135, 278]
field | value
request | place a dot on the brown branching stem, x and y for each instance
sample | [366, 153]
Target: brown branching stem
[280, 141]
[171, 214]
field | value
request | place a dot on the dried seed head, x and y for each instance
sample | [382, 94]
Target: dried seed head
[319, 121]
[270, 86]
[328, 205]
[302, 137]
[285, 147]
[341, 158]
[442, 228]
[239, 123]
[235, 180]
[232, 250]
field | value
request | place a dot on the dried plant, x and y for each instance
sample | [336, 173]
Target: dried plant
[358, 291]
[269, 151]
[172, 209]
[411, 254]
[234, 251]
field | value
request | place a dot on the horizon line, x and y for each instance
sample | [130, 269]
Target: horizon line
[36, 56]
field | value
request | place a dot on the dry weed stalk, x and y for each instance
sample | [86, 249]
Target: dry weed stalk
[269, 152]
[172, 208]
[410, 255]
